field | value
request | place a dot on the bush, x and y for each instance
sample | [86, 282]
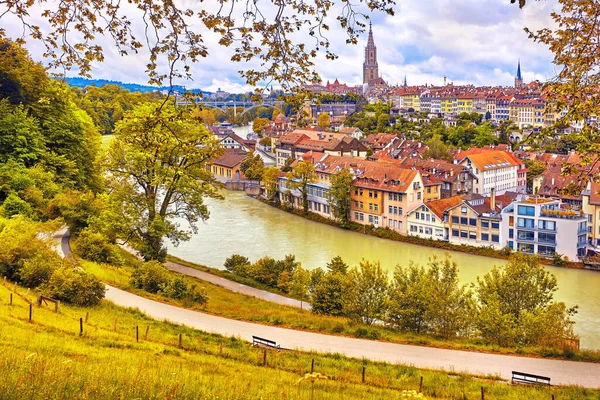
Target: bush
[39, 268]
[238, 265]
[150, 276]
[361, 333]
[73, 285]
[95, 247]
[14, 205]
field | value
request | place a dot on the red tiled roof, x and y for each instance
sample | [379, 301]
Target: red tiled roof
[230, 158]
[438, 207]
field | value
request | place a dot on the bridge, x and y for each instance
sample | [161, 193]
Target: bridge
[225, 104]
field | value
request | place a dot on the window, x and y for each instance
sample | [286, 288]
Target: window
[463, 234]
[370, 206]
[485, 224]
[455, 220]
[547, 225]
[362, 216]
[525, 247]
[370, 194]
[417, 215]
[429, 190]
[472, 235]
[356, 216]
[526, 235]
[463, 209]
[544, 237]
[495, 225]
[399, 210]
[370, 219]
[428, 231]
[464, 220]
[473, 221]
[525, 222]
[376, 206]
[375, 195]
[413, 228]
[360, 192]
[511, 233]
[361, 205]
[427, 217]
[439, 232]
[418, 195]
[420, 229]
[546, 250]
[390, 209]
[526, 210]
[390, 197]
[496, 238]
[485, 237]
[455, 232]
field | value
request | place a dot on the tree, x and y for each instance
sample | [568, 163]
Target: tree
[409, 299]
[324, 120]
[300, 284]
[205, 116]
[287, 165]
[535, 168]
[238, 265]
[383, 121]
[340, 198]
[20, 136]
[518, 300]
[330, 288]
[367, 298]
[484, 136]
[253, 166]
[299, 179]
[259, 124]
[179, 35]
[158, 172]
[437, 150]
[271, 181]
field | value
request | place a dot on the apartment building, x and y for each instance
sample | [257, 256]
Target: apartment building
[495, 170]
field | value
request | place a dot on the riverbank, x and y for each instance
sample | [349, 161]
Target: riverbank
[123, 353]
[386, 233]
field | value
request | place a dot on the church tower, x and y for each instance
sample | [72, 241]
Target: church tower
[370, 68]
[519, 78]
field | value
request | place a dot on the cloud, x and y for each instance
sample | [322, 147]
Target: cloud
[471, 41]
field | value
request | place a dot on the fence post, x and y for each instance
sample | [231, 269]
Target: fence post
[363, 374]
[137, 334]
[264, 357]
[87, 314]
[421, 385]
[11, 299]
[180, 346]
[312, 366]
[80, 326]
[30, 311]
[482, 394]
[146, 334]
[57, 309]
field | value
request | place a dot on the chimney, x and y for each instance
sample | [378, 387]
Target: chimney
[552, 181]
[493, 199]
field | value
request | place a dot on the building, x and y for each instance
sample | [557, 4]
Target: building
[429, 220]
[227, 167]
[545, 227]
[591, 208]
[370, 67]
[234, 142]
[518, 78]
[495, 170]
[454, 179]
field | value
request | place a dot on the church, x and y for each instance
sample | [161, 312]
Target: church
[371, 75]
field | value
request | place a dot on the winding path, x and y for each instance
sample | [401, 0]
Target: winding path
[562, 372]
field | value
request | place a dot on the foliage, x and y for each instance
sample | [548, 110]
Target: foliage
[287, 165]
[19, 241]
[514, 296]
[20, 136]
[259, 124]
[324, 121]
[76, 208]
[38, 269]
[437, 150]
[299, 178]
[271, 180]
[484, 136]
[206, 116]
[94, 246]
[253, 166]
[179, 36]
[265, 141]
[328, 289]
[408, 299]
[151, 276]
[238, 265]
[300, 284]
[367, 296]
[73, 285]
[13, 205]
[534, 169]
[340, 198]
[158, 172]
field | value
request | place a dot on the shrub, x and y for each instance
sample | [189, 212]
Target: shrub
[95, 247]
[338, 328]
[361, 333]
[150, 276]
[238, 265]
[73, 285]
[14, 205]
[39, 268]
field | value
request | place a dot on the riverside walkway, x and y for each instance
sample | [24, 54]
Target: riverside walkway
[561, 372]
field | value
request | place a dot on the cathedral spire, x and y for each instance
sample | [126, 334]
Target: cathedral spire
[519, 78]
[519, 70]
[370, 67]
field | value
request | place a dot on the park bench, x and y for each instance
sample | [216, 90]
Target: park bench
[258, 341]
[523, 377]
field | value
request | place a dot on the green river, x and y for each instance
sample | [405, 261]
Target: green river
[240, 224]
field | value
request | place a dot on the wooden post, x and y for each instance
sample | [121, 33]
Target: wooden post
[180, 341]
[312, 366]
[264, 357]
[137, 334]
[80, 326]
[15, 287]
[11, 299]
[30, 311]
[87, 314]
[482, 394]
[363, 375]
[421, 385]
[57, 307]
[146, 334]
[552, 397]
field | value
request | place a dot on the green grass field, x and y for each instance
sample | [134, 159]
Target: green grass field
[48, 358]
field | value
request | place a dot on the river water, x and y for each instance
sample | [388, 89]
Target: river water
[240, 224]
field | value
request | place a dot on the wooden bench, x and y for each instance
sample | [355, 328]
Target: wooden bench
[523, 377]
[258, 341]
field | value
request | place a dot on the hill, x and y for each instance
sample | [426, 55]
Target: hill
[49, 358]
[132, 87]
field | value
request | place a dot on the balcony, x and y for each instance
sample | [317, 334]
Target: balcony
[561, 214]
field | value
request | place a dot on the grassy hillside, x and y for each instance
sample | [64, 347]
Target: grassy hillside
[48, 358]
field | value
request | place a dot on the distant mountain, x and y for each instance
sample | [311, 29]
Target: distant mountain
[132, 87]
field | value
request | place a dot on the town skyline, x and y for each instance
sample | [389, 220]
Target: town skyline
[470, 43]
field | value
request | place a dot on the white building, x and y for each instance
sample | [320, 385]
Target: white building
[540, 226]
[494, 169]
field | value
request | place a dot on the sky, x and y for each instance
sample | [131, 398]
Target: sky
[468, 41]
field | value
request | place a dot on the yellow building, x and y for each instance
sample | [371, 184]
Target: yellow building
[591, 207]
[464, 104]
[227, 167]
[367, 203]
